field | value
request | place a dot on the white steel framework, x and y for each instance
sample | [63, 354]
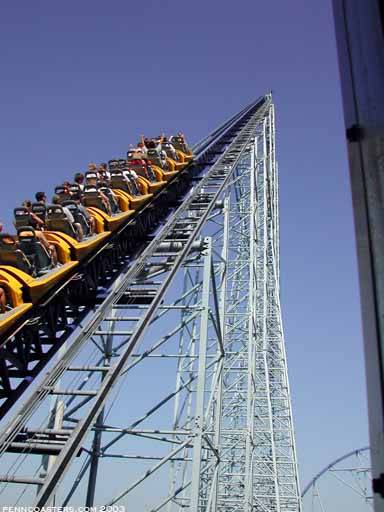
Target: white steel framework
[202, 303]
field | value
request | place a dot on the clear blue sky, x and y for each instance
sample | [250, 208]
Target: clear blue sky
[81, 80]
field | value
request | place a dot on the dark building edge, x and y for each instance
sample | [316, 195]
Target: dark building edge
[360, 44]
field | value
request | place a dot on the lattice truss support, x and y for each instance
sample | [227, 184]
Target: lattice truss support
[202, 304]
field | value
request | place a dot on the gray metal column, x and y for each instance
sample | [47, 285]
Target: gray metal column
[359, 31]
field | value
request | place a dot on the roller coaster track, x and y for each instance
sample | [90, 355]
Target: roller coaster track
[133, 298]
[36, 338]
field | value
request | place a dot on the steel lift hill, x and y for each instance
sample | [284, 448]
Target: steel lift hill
[170, 391]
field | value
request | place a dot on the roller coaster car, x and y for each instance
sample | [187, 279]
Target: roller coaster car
[92, 197]
[56, 220]
[113, 164]
[154, 158]
[165, 175]
[139, 166]
[169, 150]
[8, 318]
[74, 188]
[177, 166]
[104, 188]
[179, 162]
[40, 210]
[169, 165]
[133, 154]
[93, 201]
[91, 178]
[32, 269]
[36, 288]
[62, 234]
[10, 254]
[103, 175]
[26, 270]
[22, 217]
[122, 162]
[93, 181]
[14, 293]
[118, 182]
[69, 249]
[37, 255]
[78, 215]
[152, 186]
[180, 145]
[63, 193]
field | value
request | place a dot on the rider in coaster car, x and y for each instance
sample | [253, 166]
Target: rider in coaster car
[152, 144]
[89, 218]
[38, 225]
[91, 178]
[79, 179]
[92, 167]
[77, 227]
[103, 171]
[156, 145]
[150, 172]
[41, 197]
[127, 177]
[166, 144]
[137, 158]
[160, 150]
[36, 222]
[182, 136]
[67, 187]
[105, 189]
[132, 178]
[141, 148]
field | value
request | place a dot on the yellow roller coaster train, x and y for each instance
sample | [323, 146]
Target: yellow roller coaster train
[53, 239]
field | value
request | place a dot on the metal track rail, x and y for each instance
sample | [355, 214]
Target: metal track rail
[144, 284]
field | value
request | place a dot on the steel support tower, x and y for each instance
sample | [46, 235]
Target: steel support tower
[173, 394]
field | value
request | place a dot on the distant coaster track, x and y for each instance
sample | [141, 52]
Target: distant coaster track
[355, 478]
